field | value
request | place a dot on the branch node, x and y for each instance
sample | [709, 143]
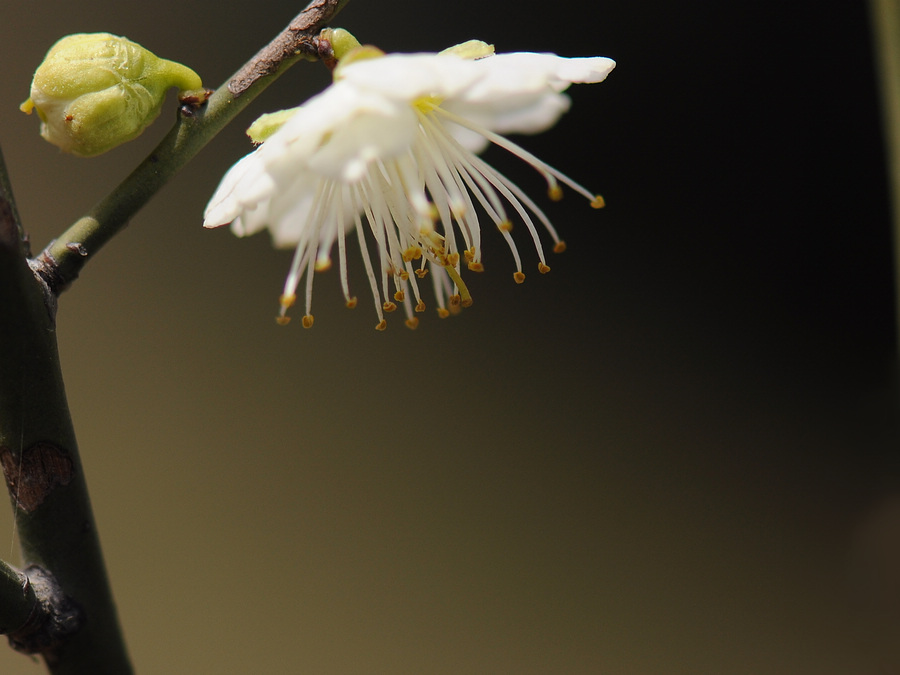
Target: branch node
[54, 617]
[52, 282]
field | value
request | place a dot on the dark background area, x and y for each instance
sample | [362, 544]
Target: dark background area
[676, 453]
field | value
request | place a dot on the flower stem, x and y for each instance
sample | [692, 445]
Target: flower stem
[60, 263]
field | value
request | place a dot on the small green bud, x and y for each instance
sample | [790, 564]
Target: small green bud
[472, 49]
[342, 41]
[95, 91]
[267, 124]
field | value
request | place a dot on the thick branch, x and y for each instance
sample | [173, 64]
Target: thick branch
[17, 599]
[52, 618]
[11, 231]
[60, 263]
[43, 472]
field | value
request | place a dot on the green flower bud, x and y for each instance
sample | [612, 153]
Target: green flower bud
[95, 90]
[472, 49]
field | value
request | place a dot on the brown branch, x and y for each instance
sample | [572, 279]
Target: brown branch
[299, 39]
[62, 260]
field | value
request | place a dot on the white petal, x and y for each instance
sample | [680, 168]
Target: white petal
[518, 73]
[408, 77]
[520, 93]
[226, 204]
[350, 149]
[528, 117]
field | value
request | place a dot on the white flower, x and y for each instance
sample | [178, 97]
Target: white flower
[390, 148]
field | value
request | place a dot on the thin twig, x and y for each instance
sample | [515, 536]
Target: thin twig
[60, 263]
[298, 39]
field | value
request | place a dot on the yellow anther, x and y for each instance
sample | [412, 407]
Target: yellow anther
[555, 192]
[442, 312]
[469, 254]
[476, 267]
[420, 307]
[323, 264]
[404, 275]
[382, 325]
[282, 320]
[422, 272]
[453, 301]
[287, 300]
[542, 268]
[307, 321]
[519, 277]
[389, 306]
[412, 323]
[559, 247]
[399, 296]
[410, 254]
[453, 259]
[505, 226]
[351, 303]
[598, 202]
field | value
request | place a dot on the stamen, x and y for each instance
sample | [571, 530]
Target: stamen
[310, 273]
[286, 301]
[342, 255]
[542, 167]
[560, 246]
[519, 277]
[361, 238]
[464, 297]
[307, 321]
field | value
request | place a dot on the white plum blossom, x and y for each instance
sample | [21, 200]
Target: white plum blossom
[390, 148]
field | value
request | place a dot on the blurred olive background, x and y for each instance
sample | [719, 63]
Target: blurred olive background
[676, 453]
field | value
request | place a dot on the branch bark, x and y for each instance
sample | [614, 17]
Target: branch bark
[17, 600]
[40, 462]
